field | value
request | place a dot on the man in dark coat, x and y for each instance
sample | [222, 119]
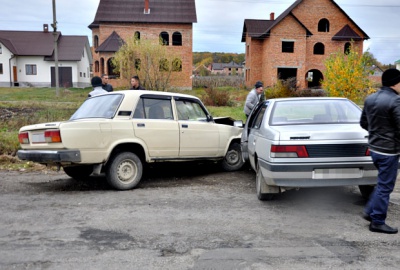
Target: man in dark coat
[104, 83]
[135, 83]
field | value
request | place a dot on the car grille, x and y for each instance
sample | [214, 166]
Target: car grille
[336, 150]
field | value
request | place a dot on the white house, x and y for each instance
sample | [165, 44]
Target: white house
[27, 59]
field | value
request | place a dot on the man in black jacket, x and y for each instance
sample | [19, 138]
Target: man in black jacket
[104, 83]
[381, 118]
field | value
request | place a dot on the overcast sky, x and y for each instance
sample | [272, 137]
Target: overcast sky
[219, 22]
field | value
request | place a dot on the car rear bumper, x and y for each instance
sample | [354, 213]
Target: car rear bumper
[50, 156]
[318, 174]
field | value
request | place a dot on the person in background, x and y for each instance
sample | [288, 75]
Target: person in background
[105, 85]
[135, 83]
[253, 98]
[97, 87]
[381, 118]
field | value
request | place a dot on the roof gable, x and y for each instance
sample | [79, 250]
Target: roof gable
[160, 11]
[70, 48]
[346, 33]
[111, 44]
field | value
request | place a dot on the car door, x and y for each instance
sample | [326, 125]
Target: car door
[154, 124]
[253, 116]
[199, 135]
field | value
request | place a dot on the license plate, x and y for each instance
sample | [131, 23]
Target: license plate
[337, 173]
[38, 137]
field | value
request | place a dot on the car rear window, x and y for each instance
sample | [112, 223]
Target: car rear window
[315, 111]
[98, 107]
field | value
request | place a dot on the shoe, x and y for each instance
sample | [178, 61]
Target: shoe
[366, 217]
[382, 228]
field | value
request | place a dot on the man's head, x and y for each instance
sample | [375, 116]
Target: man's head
[135, 81]
[104, 78]
[259, 87]
[391, 77]
[96, 81]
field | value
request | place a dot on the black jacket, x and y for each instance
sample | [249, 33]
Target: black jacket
[381, 118]
[107, 87]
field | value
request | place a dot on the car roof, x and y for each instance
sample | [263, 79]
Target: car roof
[306, 98]
[135, 93]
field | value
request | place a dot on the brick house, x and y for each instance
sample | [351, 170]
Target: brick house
[118, 20]
[297, 43]
[228, 69]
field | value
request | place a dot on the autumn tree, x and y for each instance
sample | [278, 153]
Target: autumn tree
[346, 75]
[148, 59]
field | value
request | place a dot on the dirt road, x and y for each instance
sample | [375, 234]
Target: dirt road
[185, 216]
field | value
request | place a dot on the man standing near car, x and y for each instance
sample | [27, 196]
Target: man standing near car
[381, 118]
[135, 83]
[104, 83]
[253, 98]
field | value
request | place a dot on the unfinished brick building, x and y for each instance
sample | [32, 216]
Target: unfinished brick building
[297, 43]
[118, 20]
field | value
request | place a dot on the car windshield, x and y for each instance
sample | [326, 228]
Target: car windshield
[314, 111]
[98, 107]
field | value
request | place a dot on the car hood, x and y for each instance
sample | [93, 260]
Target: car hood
[321, 132]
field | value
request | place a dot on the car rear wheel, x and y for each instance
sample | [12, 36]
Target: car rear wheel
[366, 190]
[261, 186]
[124, 171]
[79, 172]
[233, 159]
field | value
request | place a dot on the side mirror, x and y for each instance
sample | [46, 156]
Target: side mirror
[238, 123]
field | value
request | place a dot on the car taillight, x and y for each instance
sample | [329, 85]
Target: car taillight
[367, 153]
[23, 138]
[52, 136]
[288, 151]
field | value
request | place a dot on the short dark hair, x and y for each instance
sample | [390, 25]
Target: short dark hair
[102, 75]
[135, 77]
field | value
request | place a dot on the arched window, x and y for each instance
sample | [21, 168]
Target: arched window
[164, 38]
[96, 41]
[323, 25]
[110, 67]
[347, 48]
[96, 66]
[319, 48]
[137, 35]
[176, 39]
[164, 65]
[177, 64]
[102, 65]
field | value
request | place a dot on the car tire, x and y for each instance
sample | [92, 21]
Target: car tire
[366, 190]
[124, 171]
[233, 159]
[261, 186]
[81, 172]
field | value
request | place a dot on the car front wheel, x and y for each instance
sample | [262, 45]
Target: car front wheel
[124, 171]
[233, 159]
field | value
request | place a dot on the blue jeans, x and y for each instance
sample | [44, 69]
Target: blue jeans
[378, 203]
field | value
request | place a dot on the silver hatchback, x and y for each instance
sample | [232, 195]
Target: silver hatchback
[307, 142]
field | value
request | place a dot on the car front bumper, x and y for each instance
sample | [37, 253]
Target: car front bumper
[318, 174]
[50, 156]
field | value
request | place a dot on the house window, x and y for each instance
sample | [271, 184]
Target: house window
[96, 41]
[80, 74]
[137, 35]
[30, 70]
[164, 65]
[1, 68]
[164, 38]
[347, 48]
[177, 65]
[323, 25]
[96, 66]
[1, 50]
[287, 46]
[319, 48]
[176, 39]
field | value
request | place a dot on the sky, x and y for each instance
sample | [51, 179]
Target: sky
[219, 22]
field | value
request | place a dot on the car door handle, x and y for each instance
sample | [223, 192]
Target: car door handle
[141, 125]
[185, 125]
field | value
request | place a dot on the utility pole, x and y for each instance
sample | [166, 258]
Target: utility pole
[54, 25]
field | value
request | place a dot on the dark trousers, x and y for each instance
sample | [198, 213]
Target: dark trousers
[378, 203]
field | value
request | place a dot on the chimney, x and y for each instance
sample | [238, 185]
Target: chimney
[45, 28]
[146, 7]
[272, 16]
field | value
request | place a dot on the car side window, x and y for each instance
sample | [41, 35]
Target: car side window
[259, 117]
[153, 108]
[190, 110]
